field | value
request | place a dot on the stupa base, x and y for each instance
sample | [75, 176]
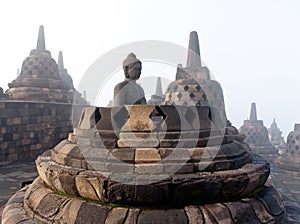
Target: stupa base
[39, 204]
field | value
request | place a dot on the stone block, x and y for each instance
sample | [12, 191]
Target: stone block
[119, 168]
[260, 210]
[174, 155]
[132, 216]
[120, 193]
[175, 119]
[162, 216]
[69, 211]
[49, 205]
[139, 118]
[147, 155]
[94, 213]
[149, 194]
[116, 215]
[142, 143]
[219, 212]
[194, 214]
[179, 168]
[124, 154]
[242, 212]
[85, 189]
[148, 168]
[88, 118]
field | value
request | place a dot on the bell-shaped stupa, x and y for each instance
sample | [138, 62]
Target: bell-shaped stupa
[257, 137]
[40, 78]
[290, 159]
[276, 138]
[194, 87]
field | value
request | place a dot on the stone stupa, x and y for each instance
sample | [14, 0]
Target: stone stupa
[290, 159]
[40, 79]
[157, 98]
[67, 79]
[257, 137]
[172, 163]
[276, 138]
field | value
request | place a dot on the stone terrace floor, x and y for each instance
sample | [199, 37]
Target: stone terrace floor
[286, 182]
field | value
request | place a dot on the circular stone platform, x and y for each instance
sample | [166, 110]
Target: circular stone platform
[39, 204]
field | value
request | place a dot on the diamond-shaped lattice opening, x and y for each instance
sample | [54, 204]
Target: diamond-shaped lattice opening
[158, 116]
[192, 95]
[119, 117]
[179, 95]
[186, 87]
[198, 87]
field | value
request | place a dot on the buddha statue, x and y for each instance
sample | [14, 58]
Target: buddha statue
[129, 92]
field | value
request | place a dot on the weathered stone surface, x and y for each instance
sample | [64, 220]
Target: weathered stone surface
[208, 218]
[175, 119]
[194, 214]
[242, 212]
[260, 210]
[139, 118]
[116, 215]
[68, 213]
[152, 194]
[162, 216]
[91, 213]
[85, 188]
[120, 193]
[88, 118]
[68, 184]
[219, 212]
[49, 205]
[208, 188]
[186, 186]
[148, 168]
[141, 143]
[132, 216]
[147, 155]
[272, 200]
[124, 154]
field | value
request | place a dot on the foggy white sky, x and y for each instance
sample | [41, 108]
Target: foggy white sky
[251, 46]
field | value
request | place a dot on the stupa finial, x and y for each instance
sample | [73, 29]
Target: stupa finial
[193, 59]
[253, 115]
[60, 61]
[158, 91]
[41, 40]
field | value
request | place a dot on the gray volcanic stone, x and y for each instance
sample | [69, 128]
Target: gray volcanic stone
[132, 216]
[194, 214]
[271, 200]
[242, 212]
[148, 193]
[68, 184]
[116, 216]
[220, 212]
[49, 205]
[162, 216]
[91, 213]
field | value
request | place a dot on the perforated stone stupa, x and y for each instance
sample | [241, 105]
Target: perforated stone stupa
[290, 159]
[171, 163]
[276, 138]
[256, 135]
[40, 78]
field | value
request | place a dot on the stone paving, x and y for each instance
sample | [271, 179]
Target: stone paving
[12, 175]
[286, 182]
